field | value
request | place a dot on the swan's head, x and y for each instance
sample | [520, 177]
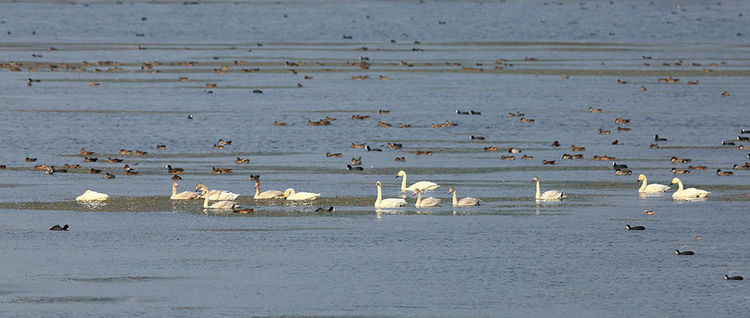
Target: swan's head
[641, 177]
[288, 192]
[200, 187]
[675, 180]
[401, 173]
[536, 179]
[451, 190]
[417, 191]
[174, 184]
[377, 183]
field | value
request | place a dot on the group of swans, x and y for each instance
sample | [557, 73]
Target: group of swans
[417, 189]
[680, 194]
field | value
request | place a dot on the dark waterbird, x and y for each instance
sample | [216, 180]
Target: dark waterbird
[321, 209]
[57, 227]
[727, 277]
[677, 252]
[657, 138]
[634, 228]
[615, 166]
[349, 167]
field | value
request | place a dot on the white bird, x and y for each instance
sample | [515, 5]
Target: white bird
[427, 202]
[215, 195]
[187, 195]
[651, 188]
[689, 193]
[270, 194]
[219, 205]
[90, 195]
[467, 201]
[290, 195]
[421, 185]
[387, 203]
[550, 195]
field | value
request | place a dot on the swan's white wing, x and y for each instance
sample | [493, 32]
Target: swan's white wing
[655, 187]
[392, 203]
[92, 196]
[185, 196]
[270, 194]
[468, 201]
[423, 186]
[553, 195]
[430, 201]
[301, 196]
[222, 205]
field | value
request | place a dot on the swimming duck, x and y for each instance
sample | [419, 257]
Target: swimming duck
[461, 113]
[574, 148]
[57, 227]
[140, 153]
[241, 160]
[616, 142]
[723, 173]
[657, 138]
[28, 159]
[492, 148]
[358, 145]
[421, 185]
[623, 172]
[68, 166]
[113, 160]
[424, 152]
[727, 277]
[679, 171]
[551, 195]
[109, 176]
[401, 159]
[604, 132]
[176, 177]
[467, 201]
[174, 170]
[527, 157]
[615, 166]
[321, 209]
[86, 153]
[427, 202]
[472, 137]
[161, 147]
[280, 124]
[239, 210]
[678, 160]
[514, 150]
[349, 167]
[677, 252]
[329, 155]
[368, 148]
[634, 228]
[697, 167]
[126, 152]
[594, 110]
[548, 162]
[508, 157]
[648, 212]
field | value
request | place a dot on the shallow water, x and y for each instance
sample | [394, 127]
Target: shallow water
[141, 254]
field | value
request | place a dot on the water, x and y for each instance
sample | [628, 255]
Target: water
[141, 254]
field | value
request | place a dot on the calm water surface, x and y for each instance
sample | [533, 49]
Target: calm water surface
[141, 254]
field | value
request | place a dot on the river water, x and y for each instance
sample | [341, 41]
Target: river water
[105, 76]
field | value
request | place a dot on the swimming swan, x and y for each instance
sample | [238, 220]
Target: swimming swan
[421, 185]
[219, 205]
[550, 195]
[687, 194]
[215, 195]
[468, 201]
[290, 195]
[427, 202]
[651, 188]
[183, 195]
[90, 195]
[270, 194]
[387, 203]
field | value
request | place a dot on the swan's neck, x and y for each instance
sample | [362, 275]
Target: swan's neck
[679, 185]
[257, 190]
[174, 189]
[455, 202]
[538, 192]
[380, 197]
[403, 183]
[205, 201]
[419, 198]
[643, 186]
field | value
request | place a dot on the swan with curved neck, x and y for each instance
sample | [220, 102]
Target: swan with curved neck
[551, 195]
[290, 195]
[421, 185]
[187, 195]
[427, 202]
[219, 205]
[651, 188]
[270, 194]
[467, 201]
[215, 194]
[689, 193]
[387, 203]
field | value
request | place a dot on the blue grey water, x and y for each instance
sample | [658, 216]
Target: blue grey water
[141, 254]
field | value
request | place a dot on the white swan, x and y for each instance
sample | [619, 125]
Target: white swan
[467, 201]
[550, 195]
[290, 195]
[187, 195]
[421, 185]
[387, 203]
[651, 188]
[427, 202]
[270, 194]
[689, 193]
[219, 205]
[90, 195]
[215, 194]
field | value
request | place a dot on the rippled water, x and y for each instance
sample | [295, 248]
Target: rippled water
[142, 254]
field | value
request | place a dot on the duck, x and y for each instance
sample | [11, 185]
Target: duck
[491, 148]
[727, 277]
[604, 132]
[657, 138]
[594, 110]
[467, 201]
[109, 176]
[616, 142]
[91, 195]
[368, 148]
[677, 252]
[29, 159]
[473, 112]
[187, 195]
[218, 205]
[727, 143]
[615, 166]
[174, 170]
[270, 194]
[723, 173]
[69, 166]
[623, 172]
[527, 157]
[513, 150]
[387, 203]
[86, 153]
[697, 167]
[280, 124]
[94, 171]
[401, 159]
[461, 112]
[551, 195]
[548, 162]
[421, 185]
[140, 153]
[508, 157]
[130, 172]
[427, 202]
[472, 137]
[241, 160]
[689, 193]
[650, 188]
[57, 227]
[395, 145]
[161, 147]
[215, 195]
[126, 152]
[648, 212]
[176, 177]
[634, 228]
[356, 161]
[113, 160]
[679, 171]
[575, 148]
[239, 210]
[678, 160]
[329, 155]
[90, 159]
[556, 144]
[223, 142]
[322, 209]
[350, 167]
[745, 166]
[291, 195]
[424, 152]
[360, 146]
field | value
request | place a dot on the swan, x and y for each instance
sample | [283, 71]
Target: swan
[427, 202]
[650, 188]
[689, 193]
[270, 194]
[290, 195]
[219, 205]
[183, 195]
[468, 201]
[547, 195]
[421, 185]
[90, 195]
[387, 203]
[215, 194]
